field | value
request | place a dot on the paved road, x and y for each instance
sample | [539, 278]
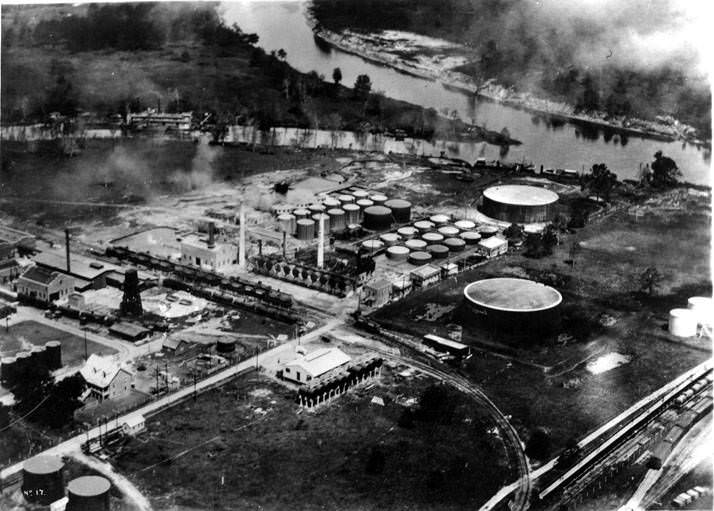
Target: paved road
[73, 445]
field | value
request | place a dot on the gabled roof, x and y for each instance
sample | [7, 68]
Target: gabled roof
[321, 361]
[100, 371]
[41, 275]
[10, 263]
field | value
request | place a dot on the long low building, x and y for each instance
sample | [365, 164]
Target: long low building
[317, 364]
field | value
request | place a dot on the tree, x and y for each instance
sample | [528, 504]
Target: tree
[650, 280]
[63, 401]
[550, 238]
[600, 181]
[514, 232]
[375, 461]
[664, 171]
[539, 444]
[363, 86]
[282, 54]
[337, 75]
[62, 97]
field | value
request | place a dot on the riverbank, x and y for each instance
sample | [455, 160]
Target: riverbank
[372, 48]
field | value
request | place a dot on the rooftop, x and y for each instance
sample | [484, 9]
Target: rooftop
[40, 275]
[426, 271]
[321, 361]
[100, 371]
[80, 265]
[492, 242]
[197, 240]
[510, 294]
[521, 195]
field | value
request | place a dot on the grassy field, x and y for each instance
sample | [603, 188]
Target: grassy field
[276, 456]
[22, 335]
[569, 400]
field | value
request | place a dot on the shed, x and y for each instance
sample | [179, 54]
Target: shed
[317, 364]
[493, 246]
[129, 331]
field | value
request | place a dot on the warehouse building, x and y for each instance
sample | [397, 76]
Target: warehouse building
[204, 251]
[43, 285]
[317, 364]
[425, 275]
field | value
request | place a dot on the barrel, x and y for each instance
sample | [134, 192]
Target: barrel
[419, 258]
[464, 225]
[454, 244]
[389, 239]
[683, 322]
[398, 253]
[337, 219]
[424, 225]
[438, 251]
[432, 237]
[360, 194]
[415, 244]
[331, 202]
[448, 231]
[439, 219]
[401, 210]
[305, 229]
[352, 213]
[316, 208]
[345, 199]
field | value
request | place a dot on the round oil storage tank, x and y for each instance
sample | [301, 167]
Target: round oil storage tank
[353, 229]
[359, 194]
[448, 231]
[372, 246]
[42, 480]
[407, 233]
[305, 229]
[364, 203]
[378, 199]
[683, 322]
[54, 355]
[419, 258]
[464, 225]
[345, 199]
[38, 355]
[439, 219]
[424, 225]
[88, 493]
[287, 223]
[438, 251]
[389, 239]
[517, 306]
[398, 253]
[352, 212]
[7, 369]
[454, 244]
[301, 213]
[519, 203]
[470, 237]
[315, 209]
[325, 220]
[401, 209]
[337, 219]
[703, 307]
[432, 237]
[22, 362]
[377, 218]
[331, 202]
[225, 346]
[486, 231]
[415, 244]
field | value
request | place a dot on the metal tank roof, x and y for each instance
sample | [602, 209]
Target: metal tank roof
[521, 195]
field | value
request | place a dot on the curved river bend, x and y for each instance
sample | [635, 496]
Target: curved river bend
[284, 25]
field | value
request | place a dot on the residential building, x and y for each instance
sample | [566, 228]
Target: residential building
[153, 119]
[44, 285]
[106, 378]
[317, 364]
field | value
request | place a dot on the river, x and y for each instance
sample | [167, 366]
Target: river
[284, 25]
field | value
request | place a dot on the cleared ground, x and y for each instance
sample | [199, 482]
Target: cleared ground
[350, 455]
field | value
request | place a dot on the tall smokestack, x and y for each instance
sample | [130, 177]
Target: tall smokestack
[241, 239]
[285, 242]
[321, 243]
[66, 249]
[260, 248]
[211, 234]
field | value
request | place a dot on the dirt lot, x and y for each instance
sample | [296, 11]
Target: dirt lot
[22, 335]
[349, 455]
[605, 280]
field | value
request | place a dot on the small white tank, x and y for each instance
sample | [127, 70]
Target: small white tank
[682, 323]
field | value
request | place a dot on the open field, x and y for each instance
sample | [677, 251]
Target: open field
[26, 334]
[348, 455]
[546, 384]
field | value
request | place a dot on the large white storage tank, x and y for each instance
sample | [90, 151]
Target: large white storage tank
[682, 322]
[703, 307]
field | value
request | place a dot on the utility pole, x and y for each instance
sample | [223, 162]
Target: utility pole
[156, 368]
[195, 377]
[85, 344]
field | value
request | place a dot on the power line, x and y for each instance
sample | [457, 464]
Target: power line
[27, 414]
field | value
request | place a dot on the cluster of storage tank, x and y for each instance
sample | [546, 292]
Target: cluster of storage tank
[49, 355]
[346, 210]
[425, 240]
[698, 314]
[43, 484]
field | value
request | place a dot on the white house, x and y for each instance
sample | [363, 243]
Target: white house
[316, 364]
[133, 424]
[106, 378]
[493, 246]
